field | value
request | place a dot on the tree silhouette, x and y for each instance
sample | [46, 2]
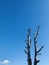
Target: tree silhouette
[37, 51]
[28, 45]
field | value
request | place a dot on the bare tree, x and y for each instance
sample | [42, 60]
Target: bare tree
[28, 45]
[37, 51]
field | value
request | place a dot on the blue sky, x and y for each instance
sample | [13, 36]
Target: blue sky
[16, 16]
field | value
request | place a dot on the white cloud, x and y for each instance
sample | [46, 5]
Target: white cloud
[5, 62]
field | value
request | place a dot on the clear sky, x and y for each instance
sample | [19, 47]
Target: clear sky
[16, 16]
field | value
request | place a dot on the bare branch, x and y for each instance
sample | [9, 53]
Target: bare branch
[36, 34]
[37, 61]
[26, 52]
[40, 49]
[39, 54]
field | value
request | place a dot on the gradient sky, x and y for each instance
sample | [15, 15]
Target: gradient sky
[16, 16]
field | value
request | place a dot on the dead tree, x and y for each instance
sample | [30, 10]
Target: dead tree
[36, 50]
[28, 45]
